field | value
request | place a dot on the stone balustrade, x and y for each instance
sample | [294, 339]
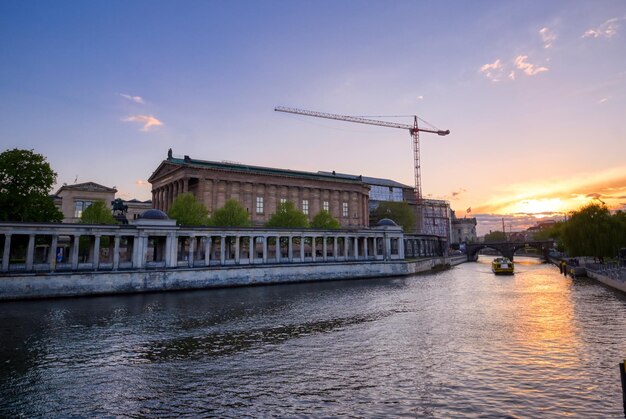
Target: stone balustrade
[33, 247]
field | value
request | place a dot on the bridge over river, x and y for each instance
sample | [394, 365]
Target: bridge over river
[508, 249]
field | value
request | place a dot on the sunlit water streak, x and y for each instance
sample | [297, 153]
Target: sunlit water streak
[460, 343]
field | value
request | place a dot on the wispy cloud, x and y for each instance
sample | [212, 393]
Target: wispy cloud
[148, 121]
[528, 68]
[604, 99]
[493, 71]
[606, 30]
[136, 99]
[420, 97]
[142, 183]
[548, 37]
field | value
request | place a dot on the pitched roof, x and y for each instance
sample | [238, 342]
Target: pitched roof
[238, 167]
[87, 186]
[370, 180]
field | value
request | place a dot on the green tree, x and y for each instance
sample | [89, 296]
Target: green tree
[400, 212]
[495, 236]
[592, 231]
[232, 214]
[97, 213]
[25, 181]
[187, 211]
[287, 215]
[323, 220]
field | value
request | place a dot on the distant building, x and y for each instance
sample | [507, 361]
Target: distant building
[432, 216]
[463, 230]
[72, 200]
[136, 208]
[260, 189]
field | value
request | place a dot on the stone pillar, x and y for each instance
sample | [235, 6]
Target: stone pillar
[185, 185]
[365, 253]
[346, 246]
[252, 249]
[116, 253]
[400, 248]
[356, 248]
[264, 249]
[30, 252]
[290, 251]
[208, 248]
[52, 256]
[135, 260]
[75, 245]
[6, 252]
[96, 252]
[387, 248]
[192, 249]
[222, 250]
[277, 252]
[301, 248]
[237, 246]
[313, 248]
[335, 248]
[325, 249]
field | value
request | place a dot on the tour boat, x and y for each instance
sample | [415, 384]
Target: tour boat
[502, 266]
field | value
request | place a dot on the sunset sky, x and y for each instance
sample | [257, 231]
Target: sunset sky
[534, 93]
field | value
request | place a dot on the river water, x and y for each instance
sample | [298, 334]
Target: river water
[458, 343]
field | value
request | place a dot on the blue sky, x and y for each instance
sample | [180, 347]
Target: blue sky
[533, 92]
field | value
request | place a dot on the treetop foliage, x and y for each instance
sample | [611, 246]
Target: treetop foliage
[287, 215]
[26, 178]
[187, 211]
[495, 236]
[232, 214]
[400, 212]
[97, 213]
[324, 221]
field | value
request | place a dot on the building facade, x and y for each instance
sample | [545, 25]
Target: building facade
[72, 200]
[260, 189]
[463, 230]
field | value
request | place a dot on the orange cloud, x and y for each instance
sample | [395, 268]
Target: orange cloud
[148, 121]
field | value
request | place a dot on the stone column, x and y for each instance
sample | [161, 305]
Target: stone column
[356, 248]
[96, 252]
[335, 248]
[325, 249]
[75, 245]
[116, 253]
[208, 248]
[222, 250]
[313, 248]
[387, 248]
[277, 247]
[30, 252]
[301, 248]
[185, 185]
[192, 249]
[365, 255]
[52, 256]
[290, 251]
[252, 249]
[264, 249]
[237, 245]
[6, 253]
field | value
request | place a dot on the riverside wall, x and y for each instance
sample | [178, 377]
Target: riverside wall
[75, 284]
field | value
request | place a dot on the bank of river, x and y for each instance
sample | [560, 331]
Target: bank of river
[460, 342]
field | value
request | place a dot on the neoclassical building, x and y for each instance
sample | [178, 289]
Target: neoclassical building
[260, 189]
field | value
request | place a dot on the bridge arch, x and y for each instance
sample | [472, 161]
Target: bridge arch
[508, 249]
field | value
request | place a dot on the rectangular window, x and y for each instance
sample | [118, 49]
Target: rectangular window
[345, 211]
[80, 206]
[325, 206]
[305, 206]
[259, 205]
[283, 200]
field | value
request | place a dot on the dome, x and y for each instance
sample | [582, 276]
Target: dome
[154, 214]
[386, 222]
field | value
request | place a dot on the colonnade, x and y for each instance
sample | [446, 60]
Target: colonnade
[74, 247]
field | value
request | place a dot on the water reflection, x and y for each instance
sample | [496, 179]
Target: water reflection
[463, 342]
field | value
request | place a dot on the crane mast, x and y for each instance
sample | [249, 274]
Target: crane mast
[414, 131]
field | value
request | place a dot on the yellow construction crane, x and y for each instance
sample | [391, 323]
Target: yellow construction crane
[414, 131]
